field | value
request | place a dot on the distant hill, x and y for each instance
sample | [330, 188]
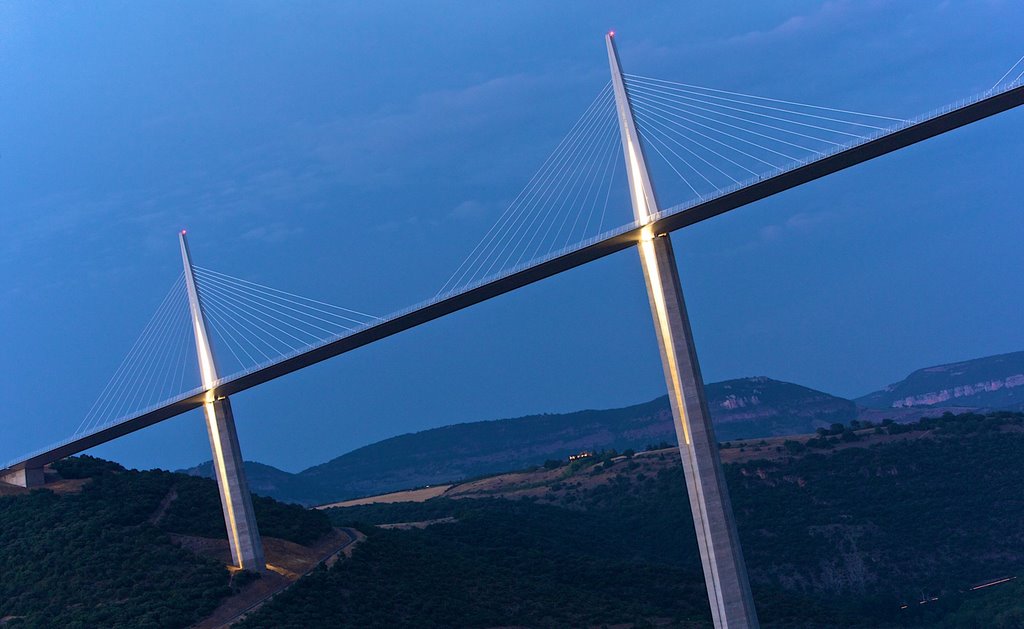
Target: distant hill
[265, 480]
[741, 408]
[746, 407]
[993, 382]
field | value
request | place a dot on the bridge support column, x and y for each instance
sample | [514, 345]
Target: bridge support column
[27, 477]
[236, 502]
[725, 572]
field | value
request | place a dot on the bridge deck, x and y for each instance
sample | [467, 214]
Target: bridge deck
[926, 127]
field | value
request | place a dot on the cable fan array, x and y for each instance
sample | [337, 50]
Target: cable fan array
[566, 201]
[709, 139]
[250, 325]
[712, 139]
[258, 324]
[160, 365]
[699, 141]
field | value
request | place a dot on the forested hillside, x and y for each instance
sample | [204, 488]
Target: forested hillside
[835, 535]
[870, 526]
[100, 554]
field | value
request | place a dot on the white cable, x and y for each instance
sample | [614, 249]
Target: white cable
[131, 389]
[1008, 74]
[666, 133]
[248, 286]
[124, 360]
[270, 288]
[641, 111]
[154, 366]
[572, 190]
[128, 364]
[654, 94]
[238, 289]
[685, 161]
[662, 137]
[606, 153]
[185, 362]
[595, 185]
[222, 337]
[650, 86]
[725, 133]
[672, 166]
[255, 304]
[768, 137]
[586, 182]
[501, 218]
[528, 226]
[608, 193]
[525, 216]
[266, 317]
[242, 323]
[230, 338]
[227, 312]
[175, 357]
[765, 98]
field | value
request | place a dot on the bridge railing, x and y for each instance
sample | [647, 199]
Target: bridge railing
[608, 234]
[622, 229]
[114, 422]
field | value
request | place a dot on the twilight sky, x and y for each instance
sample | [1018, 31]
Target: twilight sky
[355, 152]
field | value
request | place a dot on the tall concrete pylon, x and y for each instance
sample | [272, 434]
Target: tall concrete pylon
[235, 500]
[725, 572]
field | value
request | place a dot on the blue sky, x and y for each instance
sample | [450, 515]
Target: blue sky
[355, 152]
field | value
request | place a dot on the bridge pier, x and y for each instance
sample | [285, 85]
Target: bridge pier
[228, 467]
[25, 477]
[235, 500]
[725, 572]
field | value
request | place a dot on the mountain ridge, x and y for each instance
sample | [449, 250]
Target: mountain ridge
[750, 407]
[992, 382]
[743, 407]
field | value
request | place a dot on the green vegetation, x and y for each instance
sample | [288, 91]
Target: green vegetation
[1001, 608]
[93, 560]
[462, 452]
[103, 557]
[843, 539]
[85, 466]
[504, 563]
[190, 514]
[848, 537]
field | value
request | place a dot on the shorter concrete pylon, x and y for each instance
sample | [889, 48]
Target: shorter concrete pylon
[236, 502]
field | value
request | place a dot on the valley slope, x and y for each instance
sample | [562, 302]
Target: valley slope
[746, 407]
[740, 408]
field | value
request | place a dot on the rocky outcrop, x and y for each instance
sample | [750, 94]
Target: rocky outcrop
[994, 382]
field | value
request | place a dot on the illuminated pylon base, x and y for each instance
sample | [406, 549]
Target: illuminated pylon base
[239, 518]
[725, 572]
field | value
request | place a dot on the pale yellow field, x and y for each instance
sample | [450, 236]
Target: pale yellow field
[411, 495]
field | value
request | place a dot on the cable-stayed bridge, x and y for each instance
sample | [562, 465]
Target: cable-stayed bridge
[715, 150]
